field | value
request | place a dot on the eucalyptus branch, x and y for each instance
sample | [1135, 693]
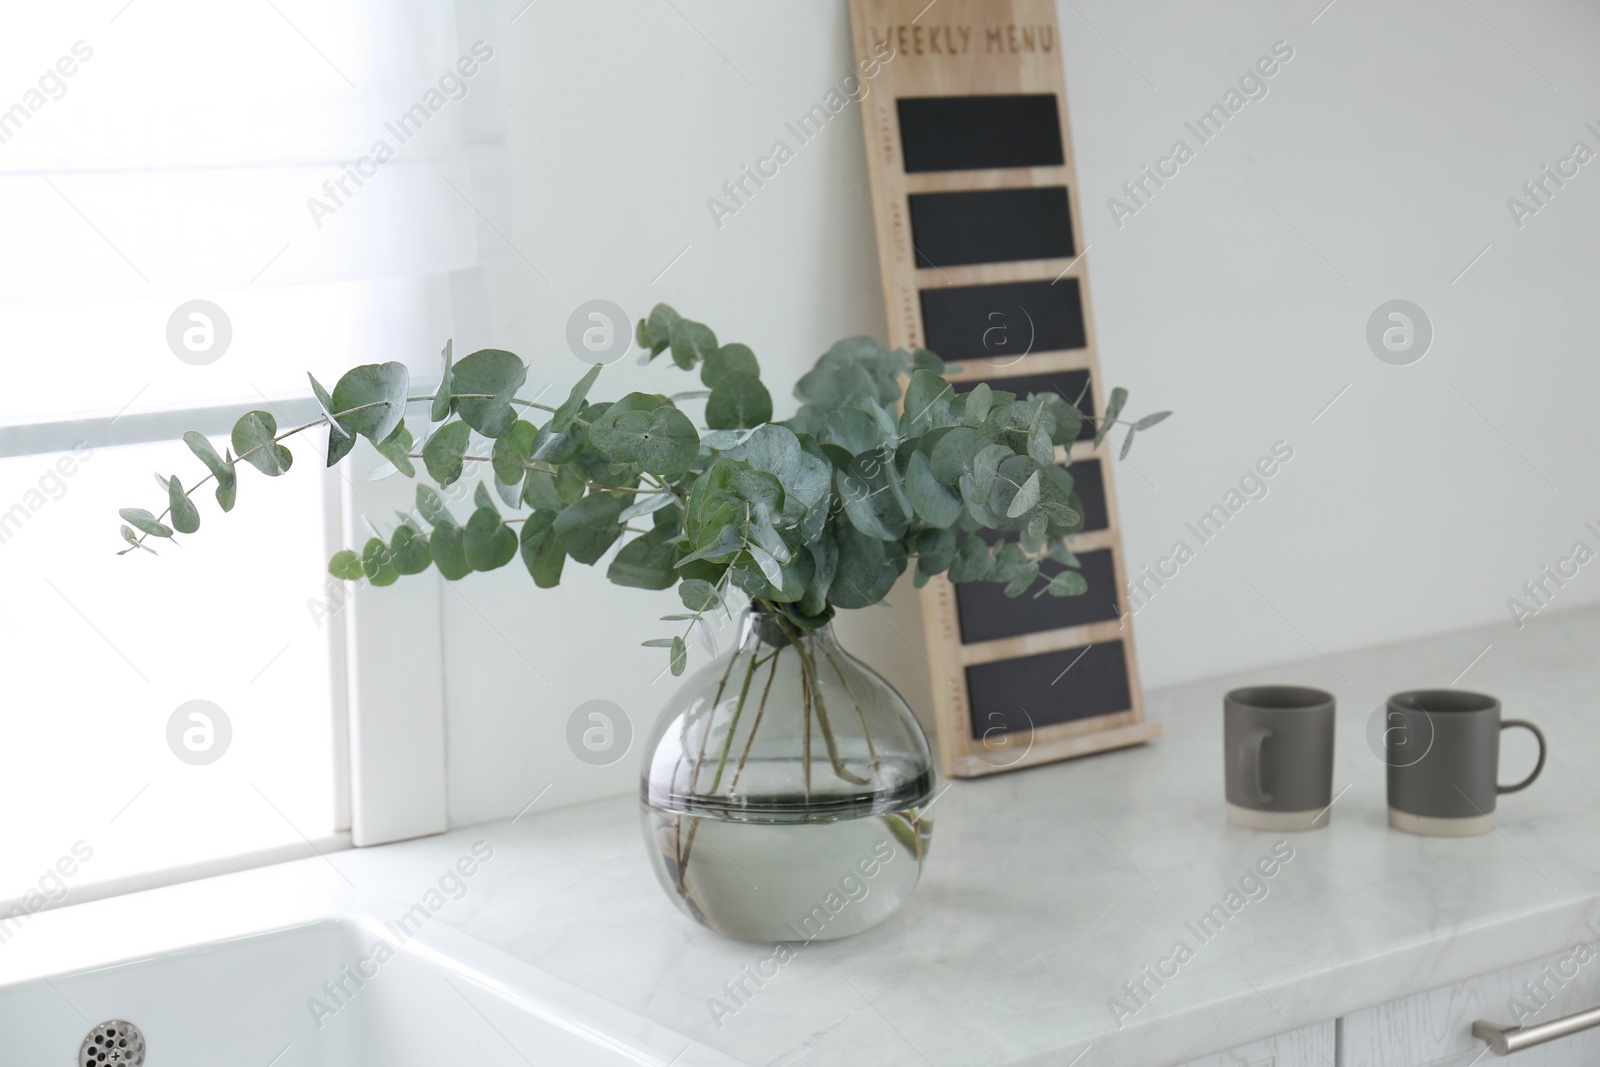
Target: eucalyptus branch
[849, 478]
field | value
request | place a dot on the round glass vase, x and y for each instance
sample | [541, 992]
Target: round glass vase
[783, 789]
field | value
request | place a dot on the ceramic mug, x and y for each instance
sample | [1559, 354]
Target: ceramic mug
[1277, 742]
[1443, 751]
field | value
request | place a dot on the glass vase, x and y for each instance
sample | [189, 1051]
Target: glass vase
[783, 789]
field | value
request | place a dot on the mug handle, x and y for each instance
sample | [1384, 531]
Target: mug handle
[1250, 766]
[1537, 767]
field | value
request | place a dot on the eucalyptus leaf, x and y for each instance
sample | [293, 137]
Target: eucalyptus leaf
[441, 406]
[449, 548]
[346, 565]
[396, 448]
[1067, 583]
[646, 562]
[482, 387]
[512, 451]
[377, 563]
[409, 550]
[370, 400]
[738, 401]
[698, 595]
[691, 343]
[935, 504]
[729, 359]
[185, 516]
[144, 522]
[221, 469]
[432, 506]
[443, 452]
[488, 543]
[542, 551]
[253, 440]
[1119, 397]
[590, 526]
[663, 441]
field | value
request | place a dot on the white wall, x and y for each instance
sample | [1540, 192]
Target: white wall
[1390, 142]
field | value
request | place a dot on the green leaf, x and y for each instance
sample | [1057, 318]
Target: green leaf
[1025, 578]
[379, 390]
[680, 656]
[442, 454]
[979, 400]
[482, 498]
[985, 466]
[145, 522]
[1067, 583]
[488, 542]
[346, 565]
[340, 445]
[858, 581]
[542, 551]
[567, 413]
[691, 342]
[867, 501]
[658, 328]
[409, 550]
[935, 504]
[325, 402]
[483, 385]
[927, 401]
[440, 409]
[253, 440]
[853, 429]
[645, 562]
[1150, 420]
[185, 516]
[395, 449]
[698, 595]
[432, 506]
[1119, 397]
[955, 453]
[739, 401]
[729, 359]
[1127, 442]
[377, 563]
[539, 492]
[718, 543]
[448, 545]
[973, 562]
[663, 441]
[221, 469]
[1027, 496]
[571, 483]
[590, 526]
[512, 452]
[936, 550]
[776, 450]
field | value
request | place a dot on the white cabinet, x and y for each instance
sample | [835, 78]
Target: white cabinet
[1435, 1028]
[1310, 1046]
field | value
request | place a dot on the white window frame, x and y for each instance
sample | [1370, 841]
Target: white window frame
[387, 711]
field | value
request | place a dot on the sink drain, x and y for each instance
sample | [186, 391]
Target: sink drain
[112, 1044]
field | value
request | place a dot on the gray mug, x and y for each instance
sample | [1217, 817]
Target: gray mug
[1443, 751]
[1277, 741]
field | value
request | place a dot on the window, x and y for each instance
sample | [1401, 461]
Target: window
[196, 216]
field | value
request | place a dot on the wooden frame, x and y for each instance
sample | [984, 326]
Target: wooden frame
[987, 48]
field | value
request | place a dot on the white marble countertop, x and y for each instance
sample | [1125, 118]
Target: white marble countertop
[1047, 889]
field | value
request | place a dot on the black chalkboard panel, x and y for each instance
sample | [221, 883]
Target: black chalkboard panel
[991, 226]
[1053, 687]
[1003, 322]
[1073, 386]
[987, 614]
[1089, 482]
[979, 132]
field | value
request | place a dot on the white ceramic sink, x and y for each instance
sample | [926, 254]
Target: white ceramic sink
[253, 970]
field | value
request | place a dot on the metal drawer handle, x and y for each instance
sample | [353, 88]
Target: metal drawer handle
[1504, 1040]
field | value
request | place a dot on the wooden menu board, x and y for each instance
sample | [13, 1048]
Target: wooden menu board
[979, 231]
